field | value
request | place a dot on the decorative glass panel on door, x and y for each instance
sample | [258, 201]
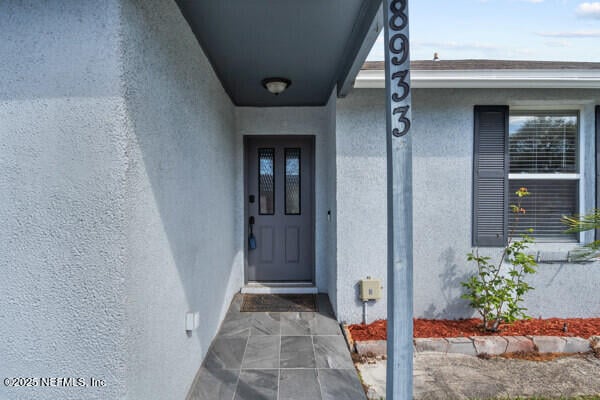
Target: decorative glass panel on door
[292, 181]
[266, 181]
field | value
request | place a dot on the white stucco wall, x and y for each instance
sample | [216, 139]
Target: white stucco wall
[361, 202]
[442, 177]
[62, 198]
[184, 252]
[331, 166]
[317, 121]
[118, 191]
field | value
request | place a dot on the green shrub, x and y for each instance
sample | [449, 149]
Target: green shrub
[496, 290]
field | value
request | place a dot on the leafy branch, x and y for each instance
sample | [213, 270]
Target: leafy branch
[496, 291]
[582, 223]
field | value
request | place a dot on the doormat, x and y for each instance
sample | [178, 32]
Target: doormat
[279, 303]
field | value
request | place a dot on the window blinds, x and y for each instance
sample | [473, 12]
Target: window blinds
[550, 199]
[543, 142]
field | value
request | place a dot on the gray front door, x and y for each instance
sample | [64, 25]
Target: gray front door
[279, 200]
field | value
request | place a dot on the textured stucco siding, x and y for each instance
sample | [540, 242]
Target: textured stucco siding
[317, 121]
[331, 261]
[361, 201]
[442, 188]
[183, 236]
[62, 197]
[118, 190]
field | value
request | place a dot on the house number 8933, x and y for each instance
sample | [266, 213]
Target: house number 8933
[399, 48]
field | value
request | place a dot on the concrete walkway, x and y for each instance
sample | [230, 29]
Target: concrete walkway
[278, 356]
[459, 376]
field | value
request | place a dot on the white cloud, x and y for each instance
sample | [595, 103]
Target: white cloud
[452, 49]
[571, 34]
[457, 45]
[589, 10]
[557, 43]
[523, 1]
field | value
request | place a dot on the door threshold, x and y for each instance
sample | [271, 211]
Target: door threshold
[279, 288]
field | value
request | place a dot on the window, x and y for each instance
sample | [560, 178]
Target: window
[266, 181]
[538, 150]
[543, 157]
[292, 181]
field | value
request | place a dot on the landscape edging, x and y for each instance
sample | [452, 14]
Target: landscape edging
[488, 345]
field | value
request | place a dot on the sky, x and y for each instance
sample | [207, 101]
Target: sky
[559, 30]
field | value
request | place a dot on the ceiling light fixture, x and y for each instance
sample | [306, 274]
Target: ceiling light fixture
[276, 85]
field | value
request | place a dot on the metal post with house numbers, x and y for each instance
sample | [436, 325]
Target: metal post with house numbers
[399, 175]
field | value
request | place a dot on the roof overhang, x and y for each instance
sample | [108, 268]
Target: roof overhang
[345, 85]
[493, 79]
[317, 45]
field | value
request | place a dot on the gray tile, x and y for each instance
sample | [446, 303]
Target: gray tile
[257, 385]
[236, 324]
[262, 352]
[214, 384]
[324, 305]
[299, 384]
[297, 352]
[324, 325]
[332, 352]
[296, 323]
[226, 353]
[236, 303]
[264, 323]
[340, 384]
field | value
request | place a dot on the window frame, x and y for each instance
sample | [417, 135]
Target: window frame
[580, 161]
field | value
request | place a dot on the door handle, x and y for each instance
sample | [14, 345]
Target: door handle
[251, 237]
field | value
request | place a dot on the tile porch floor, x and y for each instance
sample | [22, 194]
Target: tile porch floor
[278, 356]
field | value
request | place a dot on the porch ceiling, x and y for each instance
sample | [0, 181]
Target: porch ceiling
[313, 43]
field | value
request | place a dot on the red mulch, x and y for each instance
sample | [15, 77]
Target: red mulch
[436, 328]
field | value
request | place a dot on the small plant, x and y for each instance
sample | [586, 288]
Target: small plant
[496, 290]
[582, 223]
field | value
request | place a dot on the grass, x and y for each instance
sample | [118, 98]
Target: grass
[592, 397]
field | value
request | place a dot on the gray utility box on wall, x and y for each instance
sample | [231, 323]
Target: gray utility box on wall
[370, 289]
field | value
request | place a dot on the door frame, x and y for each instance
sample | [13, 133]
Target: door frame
[312, 161]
